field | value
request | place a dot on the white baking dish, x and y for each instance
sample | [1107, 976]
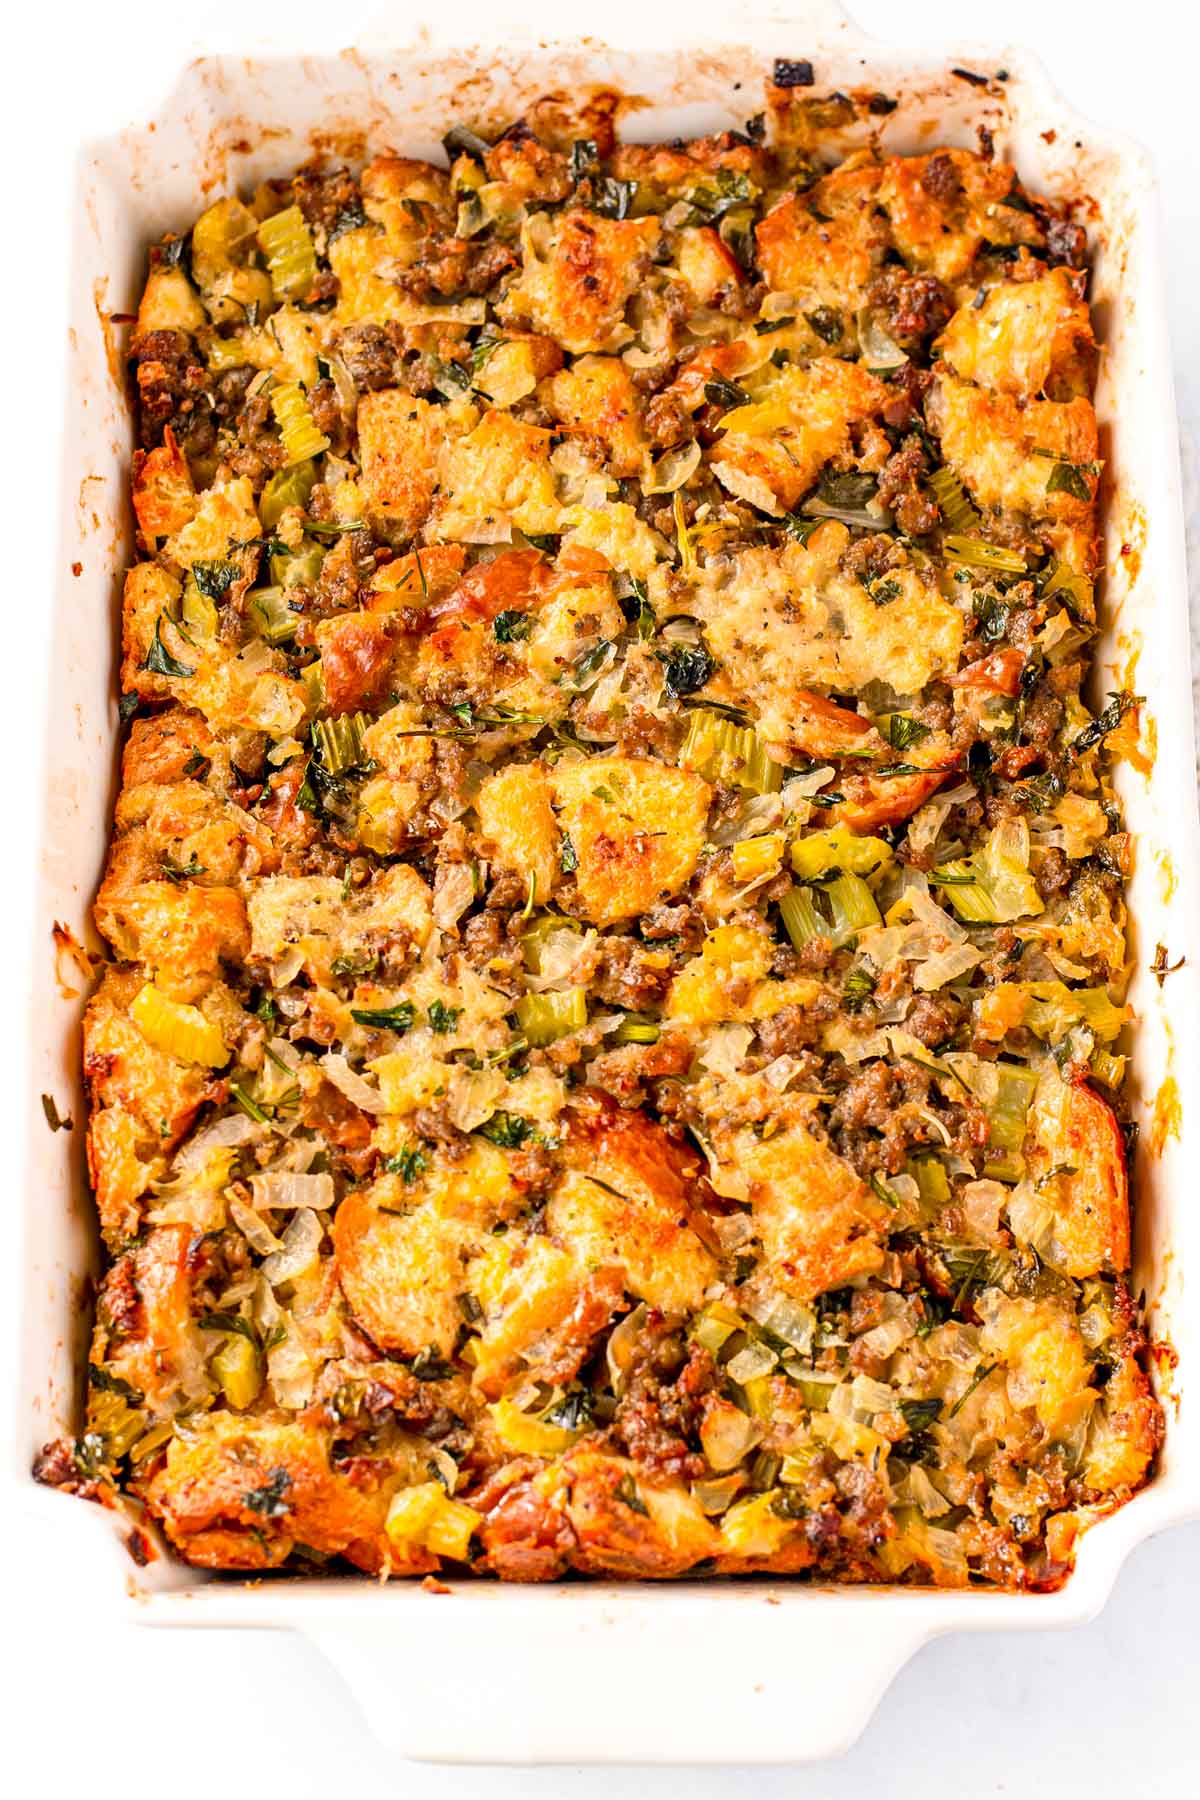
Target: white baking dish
[774, 1672]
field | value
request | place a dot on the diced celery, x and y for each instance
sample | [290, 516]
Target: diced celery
[339, 742]
[957, 510]
[527, 1434]
[993, 885]
[545, 1017]
[930, 1175]
[853, 907]
[286, 242]
[801, 920]
[543, 927]
[297, 568]
[181, 1030]
[289, 487]
[978, 553]
[272, 615]
[111, 1416]
[238, 1368]
[734, 755]
[1007, 1113]
[633, 1030]
[198, 614]
[297, 428]
[312, 680]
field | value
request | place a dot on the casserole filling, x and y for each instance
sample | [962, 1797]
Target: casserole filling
[611, 1058]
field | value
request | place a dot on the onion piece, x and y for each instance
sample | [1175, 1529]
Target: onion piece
[299, 1250]
[360, 1093]
[673, 469]
[279, 1191]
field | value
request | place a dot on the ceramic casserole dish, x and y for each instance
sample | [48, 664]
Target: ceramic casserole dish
[800, 1667]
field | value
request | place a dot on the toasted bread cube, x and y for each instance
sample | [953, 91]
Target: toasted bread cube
[625, 1524]
[399, 438]
[772, 450]
[824, 246]
[1007, 454]
[169, 303]
[941, 208]
[1029, 338]
[576, 289]
[820, 1224]
[401, 1269]
[1039, 1344]
[143, 1101]
[627, 1204]
[542, 1310]
[595, 398]
[241, 1493]
[164, 497]
[519, 826]
[499, 474]
[1076, 1157]
[783, 623]
[636, 827]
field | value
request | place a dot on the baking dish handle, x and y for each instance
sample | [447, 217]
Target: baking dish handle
[621, 1676]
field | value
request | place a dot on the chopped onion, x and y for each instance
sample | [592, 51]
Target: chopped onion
[281, 1191]
[223, 1134]
[727, 1435]
[725, 1048]
[285, 971]
[299, 1250]
[360, 1093]
[474, 1096]
[619, 1354]
[673, 469]
[752, 1362]
[453, 892]
[257, 1233]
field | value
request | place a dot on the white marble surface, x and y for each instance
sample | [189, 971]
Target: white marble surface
[1098, 1711]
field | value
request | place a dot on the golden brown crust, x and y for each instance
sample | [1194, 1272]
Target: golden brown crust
[613, 1063]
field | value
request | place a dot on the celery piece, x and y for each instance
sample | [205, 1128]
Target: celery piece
[198, 613]
[273, 617]
[1007, 1113]
[297, 568]
[852, 906]
[732, 754]
[753, 858]
[957, 510]
[238, 1368]
[929, 1172]
[181, 1030]
[543, 927]
[978, 553]
[289, 487]
[286, 242]
[993, 885]
[339, 742]
[801, 920]
[297, 428]
[544, 1017]
[633, 1030]
[312, 680]
[1076, 589]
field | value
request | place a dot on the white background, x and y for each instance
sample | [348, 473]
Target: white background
[1098, 1711]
